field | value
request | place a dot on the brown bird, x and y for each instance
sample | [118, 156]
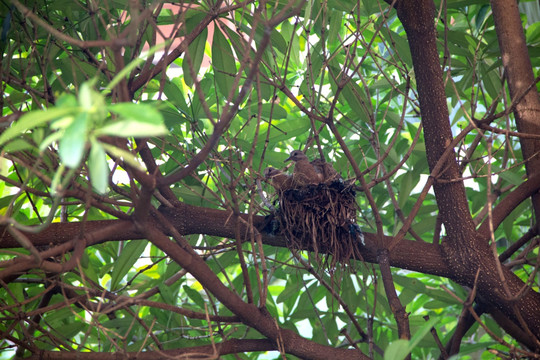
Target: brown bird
[279, 180]
[326, 169]
[304, 172]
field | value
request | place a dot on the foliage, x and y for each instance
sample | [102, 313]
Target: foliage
[105, 128]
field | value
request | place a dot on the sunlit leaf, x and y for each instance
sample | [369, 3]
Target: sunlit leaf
[124, 155]
[34, 119]
[73, 142]
[99, 170]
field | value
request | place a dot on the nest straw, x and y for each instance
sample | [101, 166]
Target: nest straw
[321, 218]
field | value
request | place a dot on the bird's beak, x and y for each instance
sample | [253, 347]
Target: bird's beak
[287, 159]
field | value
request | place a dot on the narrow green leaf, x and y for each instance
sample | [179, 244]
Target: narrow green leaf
[336, 19]
[99, 170]
[132, 65]
[67, 100]
[410, 283]
[223, 62]
[167, 294]
[291, 290]
[124, 155]
[397, 350]
[130, 254]
[268, 111]
[492, 82]
[196, 56]
[55, 136]
[34, 119]
[85, 95]
[132, 127]
[73, 142]
[467, 348]
[421, 333]
[406, 184]
[512, 177]
[307, 13]
[174, 94]
[18, 145]
[356, 98]
[278, 42]
[481, 16]
[138, 120]
[57, 178]
[194, 295]
[138, 112]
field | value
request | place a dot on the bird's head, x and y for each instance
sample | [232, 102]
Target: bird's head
[296, 155]
[270, 172]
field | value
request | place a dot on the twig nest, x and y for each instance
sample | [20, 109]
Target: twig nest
[321, 218]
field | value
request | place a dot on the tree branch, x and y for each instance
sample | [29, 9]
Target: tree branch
[249, 314]
[509, 203]
[233, 346]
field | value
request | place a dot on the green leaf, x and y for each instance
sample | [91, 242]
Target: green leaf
[167, 293]
[291, 290]
[422, 332]
[196, 56]
[99, 170]
[172, 89]
[18, 145]
[137, 120]
[132, 65]
[397, 350]
[138, 112]
[124, 155]
[278, 42]
[512, 177]
[73, 142]
[268, 111]
[132, 127]
[492, 82]
[336, 19]
[34, 119]
[223, 63]
[86, 96]
[401, 44]
[194, 295]
[55, 136]
[129, 255]
[357, 100]
[466, 348]
[406, 184]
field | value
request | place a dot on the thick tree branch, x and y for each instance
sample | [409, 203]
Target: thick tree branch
[250, 315]
[509, 203]
[233, 346]
[520, 76]
[464, 251]
[400, 315]
[417, 19]
[189, 219]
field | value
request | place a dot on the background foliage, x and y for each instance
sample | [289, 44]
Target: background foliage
[104, 115]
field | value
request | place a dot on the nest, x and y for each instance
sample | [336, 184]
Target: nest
[322, 218]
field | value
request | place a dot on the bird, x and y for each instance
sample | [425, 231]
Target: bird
[326, 169]
[304, 172]
[278, 179]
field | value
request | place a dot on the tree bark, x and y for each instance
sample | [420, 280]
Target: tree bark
[464, 250]
[520, 78]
